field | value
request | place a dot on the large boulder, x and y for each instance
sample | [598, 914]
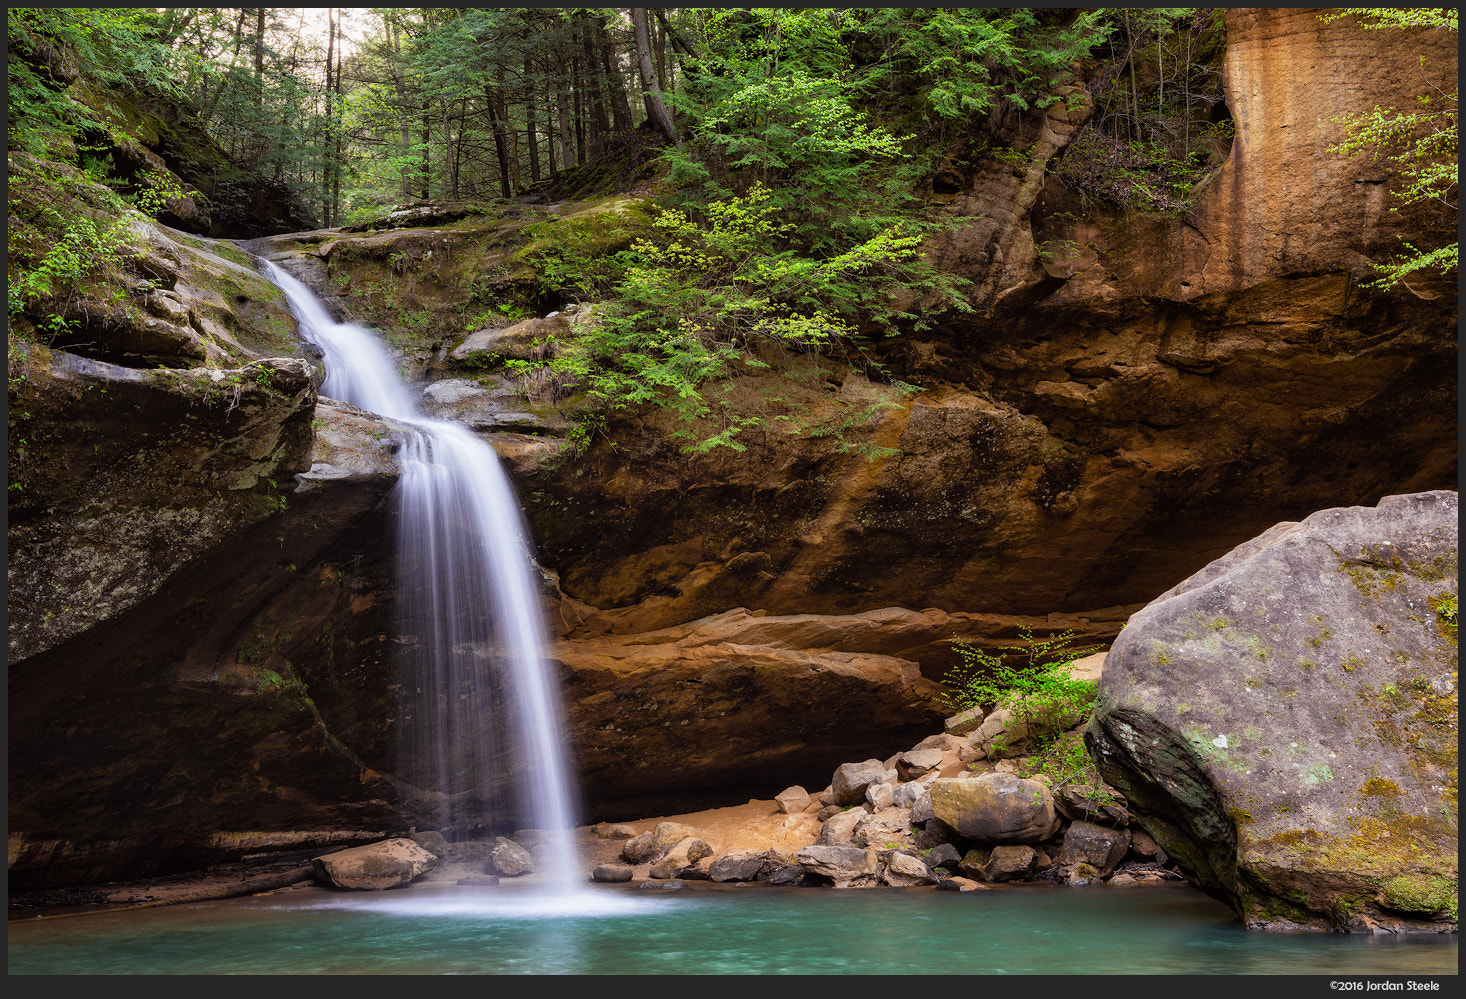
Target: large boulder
[1284, 722]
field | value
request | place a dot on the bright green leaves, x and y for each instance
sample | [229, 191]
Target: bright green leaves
[1420, 144]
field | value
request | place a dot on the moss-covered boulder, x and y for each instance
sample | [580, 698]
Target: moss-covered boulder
[1284, 722]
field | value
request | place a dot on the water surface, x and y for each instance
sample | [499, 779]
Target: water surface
[705, 930]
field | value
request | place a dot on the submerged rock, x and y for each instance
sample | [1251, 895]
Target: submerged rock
[1273, 725]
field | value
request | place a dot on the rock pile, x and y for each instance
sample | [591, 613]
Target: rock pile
[942, 813]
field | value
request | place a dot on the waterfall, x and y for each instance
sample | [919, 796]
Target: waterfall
[469, 618]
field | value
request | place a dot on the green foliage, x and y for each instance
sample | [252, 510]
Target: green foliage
[694, 297]
[1031, 680]
[1420, 144]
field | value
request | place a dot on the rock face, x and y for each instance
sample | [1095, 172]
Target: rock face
[1284, 723]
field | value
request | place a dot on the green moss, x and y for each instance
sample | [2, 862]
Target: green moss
[1421, 894]
[1380, 786]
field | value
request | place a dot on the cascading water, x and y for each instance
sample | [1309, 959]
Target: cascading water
[469, 618]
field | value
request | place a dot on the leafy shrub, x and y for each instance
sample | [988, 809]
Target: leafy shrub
[1031, 680]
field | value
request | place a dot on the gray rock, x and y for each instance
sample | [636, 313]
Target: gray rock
[509, 859]
[851, 779]
[964, 722]
[942, 855]
[743, 865]
[640, 849]
[917, 763]
[682, 854]
[887, 829]
[432, 841]
[847, 866]
[1099, 846]
[839, 829]
[1272, 723]
[996, 808]
[880, 796]
[669, 885]
[781, 873]
[611, 873]
[392, 863]
[905, 871]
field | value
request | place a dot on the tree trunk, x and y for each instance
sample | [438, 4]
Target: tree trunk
[529, 124]
[620, 106]
[651, 93]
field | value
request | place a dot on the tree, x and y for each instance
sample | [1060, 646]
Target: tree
[1422, 144]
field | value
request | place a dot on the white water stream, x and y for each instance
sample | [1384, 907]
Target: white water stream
[469, 615]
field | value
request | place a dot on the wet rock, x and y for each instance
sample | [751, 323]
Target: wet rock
[508, 858]
[961, 884]
[612, 873]
[393, 863]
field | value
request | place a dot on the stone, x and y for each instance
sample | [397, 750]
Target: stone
[682, 854]
[905, 871]
[961, 884]
[509, 859]
[1010, 863]
[974, 862]
[879, 796]
[1271, 723]
[996, 808]
[640, 849]
[851, 780]
[432, 841]
[611, 873]
[847, 866]
[610, 830]
[668, 885]
[792, 800]
[887, 829]
[391, 863]
[1099, 846]
[742, 865]
[1082, 874]
[782, 873]
[839, 828]
[1143, 846]
[942, 855]
[668, 833]
[917, 763]
[964, 722]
